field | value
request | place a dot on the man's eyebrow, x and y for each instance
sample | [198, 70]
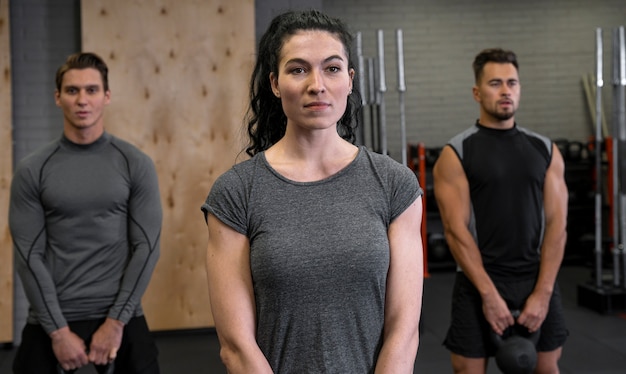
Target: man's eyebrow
[75, 86]
[502, 80]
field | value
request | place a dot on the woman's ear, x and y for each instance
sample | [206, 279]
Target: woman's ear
[351, 80]
[274, 83]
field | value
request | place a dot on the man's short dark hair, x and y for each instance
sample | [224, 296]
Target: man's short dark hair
[497, 55]
[83, 60]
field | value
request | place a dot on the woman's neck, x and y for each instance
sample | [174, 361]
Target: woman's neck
[306, 161]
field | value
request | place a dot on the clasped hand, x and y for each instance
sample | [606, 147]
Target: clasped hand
[71, 351]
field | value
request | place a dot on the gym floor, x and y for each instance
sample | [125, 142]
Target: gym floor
[597, 341]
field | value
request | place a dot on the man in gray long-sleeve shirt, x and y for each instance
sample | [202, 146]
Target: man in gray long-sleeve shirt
[85, 217]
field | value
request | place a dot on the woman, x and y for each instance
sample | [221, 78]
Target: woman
[314, 258]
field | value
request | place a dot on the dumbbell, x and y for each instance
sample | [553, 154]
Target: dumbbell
[516, 348]
[110, 369]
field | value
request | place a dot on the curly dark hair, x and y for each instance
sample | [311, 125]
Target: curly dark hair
[497, 55]
[265, 117]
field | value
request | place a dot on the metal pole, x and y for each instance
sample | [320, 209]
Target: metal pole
[360, 78]
[372, 99]
[620, 141]
[598, 195]
[382, 88]
[614, 165]
[401, 90]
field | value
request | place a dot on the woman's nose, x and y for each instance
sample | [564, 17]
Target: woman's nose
[316, 83]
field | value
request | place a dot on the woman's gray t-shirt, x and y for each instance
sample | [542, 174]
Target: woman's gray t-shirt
[319, 256]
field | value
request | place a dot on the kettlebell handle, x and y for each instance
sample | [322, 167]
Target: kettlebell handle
[498, 340]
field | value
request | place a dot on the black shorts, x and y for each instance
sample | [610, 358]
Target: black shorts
[469, 334]
[137, 354]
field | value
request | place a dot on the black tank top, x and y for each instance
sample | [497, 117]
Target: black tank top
[505, 170]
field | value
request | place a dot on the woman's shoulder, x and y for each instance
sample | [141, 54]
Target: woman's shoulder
[385, 162]
[241, 171]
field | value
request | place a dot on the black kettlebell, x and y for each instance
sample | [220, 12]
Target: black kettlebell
[516, 348]
[110, 369]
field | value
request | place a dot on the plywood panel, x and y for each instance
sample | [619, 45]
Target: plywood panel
[178, 71]
[6, 170]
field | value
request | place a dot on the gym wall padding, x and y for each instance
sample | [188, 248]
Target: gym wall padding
[6, 170]
[178, 74]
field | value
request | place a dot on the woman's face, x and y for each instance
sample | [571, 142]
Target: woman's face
[313, 80]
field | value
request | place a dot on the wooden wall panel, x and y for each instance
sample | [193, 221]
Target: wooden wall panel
[178, 71]
[6, 170]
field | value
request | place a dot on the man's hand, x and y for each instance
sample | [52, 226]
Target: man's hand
[497, 313]
[69, 349]
[106, 341]
[534, 312]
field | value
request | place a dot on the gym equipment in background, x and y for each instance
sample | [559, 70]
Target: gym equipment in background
[372, 84]
[607, 292]
[381, 89]
[401, 90]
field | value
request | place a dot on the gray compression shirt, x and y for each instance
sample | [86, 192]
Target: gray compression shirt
[86, 222]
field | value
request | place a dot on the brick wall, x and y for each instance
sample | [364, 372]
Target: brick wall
[554, 41]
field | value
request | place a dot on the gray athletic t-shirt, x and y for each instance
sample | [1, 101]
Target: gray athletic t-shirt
[319, 256]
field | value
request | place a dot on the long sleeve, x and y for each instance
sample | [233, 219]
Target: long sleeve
[144, 230]
[28, 229]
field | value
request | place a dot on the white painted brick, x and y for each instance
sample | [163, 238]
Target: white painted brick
[554, 41]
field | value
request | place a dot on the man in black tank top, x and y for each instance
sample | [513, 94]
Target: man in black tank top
[503, 201]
